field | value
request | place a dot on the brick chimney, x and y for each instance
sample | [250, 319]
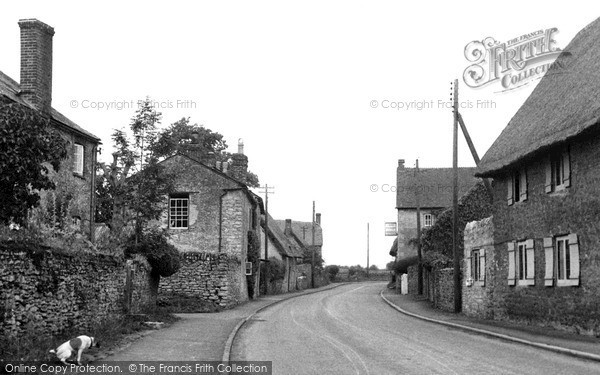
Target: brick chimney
[288, 227]
[239, 163]
[318, 219]
[36, 63]
[400, 163]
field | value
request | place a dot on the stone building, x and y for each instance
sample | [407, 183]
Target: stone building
[545, 174]
[431, 189]
[75, 181]
[209, 218]
[281, 246]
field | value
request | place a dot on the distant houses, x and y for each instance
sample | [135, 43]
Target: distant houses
[75, 182]
[431, 190]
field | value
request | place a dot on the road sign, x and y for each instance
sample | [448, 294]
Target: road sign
[390, 229]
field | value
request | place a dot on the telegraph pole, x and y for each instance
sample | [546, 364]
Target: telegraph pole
[266, 190]
[457, 285]
[419, 254]
[312, 262]
[367, 250]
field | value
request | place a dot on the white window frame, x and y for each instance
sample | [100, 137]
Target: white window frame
[427, 220]
[179, 212]
[78, 158]
[566, 259]
[517, 185]
[521, 263]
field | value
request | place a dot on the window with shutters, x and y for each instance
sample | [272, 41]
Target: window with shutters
[78, 159]
[521, 263]
[517, 187]
[562, 261]
[558, 171]
[476, 267]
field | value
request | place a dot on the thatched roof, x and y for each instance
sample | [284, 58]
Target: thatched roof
[303, 232]
[433, 185]
[564, 104]
[284, 245]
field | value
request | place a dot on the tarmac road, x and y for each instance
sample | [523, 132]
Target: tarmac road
[350, 330]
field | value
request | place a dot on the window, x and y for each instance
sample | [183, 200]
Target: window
[178, 211]
[517, 187]
[521, 263]
[78, 159]
[428, 220]
[558, 171]
[562, 261]
[475, 265]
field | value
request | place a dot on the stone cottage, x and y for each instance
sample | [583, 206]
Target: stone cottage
[75, 182]
[431, 189]
[282, 247]
[209, 218]
[545, 266]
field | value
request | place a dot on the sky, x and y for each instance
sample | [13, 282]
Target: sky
[326, 95]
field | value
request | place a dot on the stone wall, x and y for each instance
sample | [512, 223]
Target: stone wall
[443, 289]
[542, 215]
[476, 296]
[205, 276]
[50, 292]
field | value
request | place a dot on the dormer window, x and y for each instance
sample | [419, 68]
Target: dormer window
[517, 187]
[558, 171]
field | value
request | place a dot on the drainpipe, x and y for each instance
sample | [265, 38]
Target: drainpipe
[221, 220]
[93, 194]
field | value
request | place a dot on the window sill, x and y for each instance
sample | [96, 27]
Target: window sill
[559, 192]
[525, 283]
[561, 283]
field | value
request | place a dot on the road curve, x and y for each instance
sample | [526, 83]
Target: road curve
[350, 330]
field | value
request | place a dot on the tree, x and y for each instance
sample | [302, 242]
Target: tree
[28, 147]
[332, 271]
[194, 140]
[132, 188]
[374, 268]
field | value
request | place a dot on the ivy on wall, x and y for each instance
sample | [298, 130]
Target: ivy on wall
[436, 241]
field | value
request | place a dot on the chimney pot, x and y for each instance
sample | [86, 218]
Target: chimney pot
[240, 146]
[318, 219]
[36, 63]
[288, 227]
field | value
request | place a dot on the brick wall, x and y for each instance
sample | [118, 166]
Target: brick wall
[574, 210]
[52, 292]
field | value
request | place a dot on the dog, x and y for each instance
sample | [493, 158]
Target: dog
[78, 344]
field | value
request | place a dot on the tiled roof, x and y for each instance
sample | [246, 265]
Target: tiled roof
[10, 88]
[563, 105]
[433, 186]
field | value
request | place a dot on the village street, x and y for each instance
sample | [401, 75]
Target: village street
[350, 330]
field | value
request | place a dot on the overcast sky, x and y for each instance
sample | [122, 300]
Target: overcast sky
[296, 81]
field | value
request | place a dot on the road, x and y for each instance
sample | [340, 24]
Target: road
[350, 330]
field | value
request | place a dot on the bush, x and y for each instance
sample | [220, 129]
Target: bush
[162, 256]
[276, 269]
[401, 266]
[332, 271]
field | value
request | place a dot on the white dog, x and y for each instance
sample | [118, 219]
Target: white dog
[78, 344]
